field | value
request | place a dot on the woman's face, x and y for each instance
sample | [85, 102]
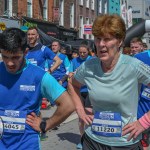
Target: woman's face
[107, 48]
[83, 52]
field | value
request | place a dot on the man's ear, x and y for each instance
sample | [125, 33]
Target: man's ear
[38, 36]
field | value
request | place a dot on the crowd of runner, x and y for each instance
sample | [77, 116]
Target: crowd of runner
[109, 89]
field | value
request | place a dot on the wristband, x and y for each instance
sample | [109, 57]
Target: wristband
[43, 126]
[145, 121]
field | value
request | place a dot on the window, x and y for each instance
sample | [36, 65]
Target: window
[45, 9]
[87, 3]
[81, 2]
[61, 21]
[81, 27]
[105, 8]
[72, 15]
[8, 8]
[87, 22]
[92, 37]
[29, 8]
[92, 4]
[100, 6]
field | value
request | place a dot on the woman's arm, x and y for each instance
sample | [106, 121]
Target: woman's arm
[74, 91]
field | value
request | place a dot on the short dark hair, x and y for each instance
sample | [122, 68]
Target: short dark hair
[32, 28]
[56, 42]
[13, 38]
[75, 51]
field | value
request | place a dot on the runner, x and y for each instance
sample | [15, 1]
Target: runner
[39, 53]
[75, 63]
[61, 73]
[22, 85]
[112, 80]
[144, 99]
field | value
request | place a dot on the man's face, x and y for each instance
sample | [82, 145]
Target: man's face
[55, 47]
[136, 48]
[13, 61]
[32, 37]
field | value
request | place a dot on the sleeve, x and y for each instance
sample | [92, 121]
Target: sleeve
[49, 54]
[50, 88]
[143, 72]
[80, 73]
[67, 64]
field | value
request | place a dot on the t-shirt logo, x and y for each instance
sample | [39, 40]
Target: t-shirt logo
[27, 88]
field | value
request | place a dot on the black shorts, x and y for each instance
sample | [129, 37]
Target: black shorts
[89, 144]
[85, 100]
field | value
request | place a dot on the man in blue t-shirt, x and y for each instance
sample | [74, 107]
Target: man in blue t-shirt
[61, 73]
[144, 99]
[39, 53]
[22, 85]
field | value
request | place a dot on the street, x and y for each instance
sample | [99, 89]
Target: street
[66, 137]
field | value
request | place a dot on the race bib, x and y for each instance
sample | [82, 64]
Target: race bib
[107, 124]
[146, 93]
[13, 121]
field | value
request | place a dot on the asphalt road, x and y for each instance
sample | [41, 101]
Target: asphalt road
[65, 138]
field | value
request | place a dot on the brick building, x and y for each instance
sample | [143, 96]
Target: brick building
[41, 13]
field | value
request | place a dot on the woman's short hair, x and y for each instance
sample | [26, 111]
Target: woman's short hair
[109, 25]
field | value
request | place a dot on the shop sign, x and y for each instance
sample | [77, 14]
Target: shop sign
[68, 33]
[2, 26]
[29, 24]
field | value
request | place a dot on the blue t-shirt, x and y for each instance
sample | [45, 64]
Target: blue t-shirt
[144, 98]
[75, 63]
[114, 95]
[39, 54]
[21, 94]
[62, 70]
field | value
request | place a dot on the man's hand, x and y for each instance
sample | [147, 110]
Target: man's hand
[34, 121]
[134, 128]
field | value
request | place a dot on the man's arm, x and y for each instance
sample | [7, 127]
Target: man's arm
[65, 107]
[56, 64]
[74, 91]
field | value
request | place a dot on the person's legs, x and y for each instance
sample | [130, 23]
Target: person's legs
[81, 123]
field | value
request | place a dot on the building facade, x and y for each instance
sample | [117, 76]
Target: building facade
[45, 14]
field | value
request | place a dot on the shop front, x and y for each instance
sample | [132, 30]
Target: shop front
[67, 34]
[47, 27]
[51, 29]
[8, 23]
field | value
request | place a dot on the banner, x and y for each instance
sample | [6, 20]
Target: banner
[129, 15]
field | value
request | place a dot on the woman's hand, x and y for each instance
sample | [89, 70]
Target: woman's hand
[134, 128]
[84, 116]
[34, 121]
